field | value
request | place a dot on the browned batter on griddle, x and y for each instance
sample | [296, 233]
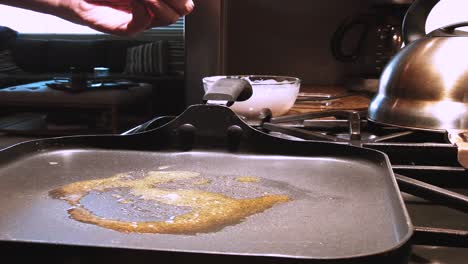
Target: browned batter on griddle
[210, 211]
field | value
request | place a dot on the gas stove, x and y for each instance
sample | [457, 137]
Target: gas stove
[433, 183]
[425, 163]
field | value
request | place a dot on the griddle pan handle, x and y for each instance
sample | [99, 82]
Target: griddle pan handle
[226, 91]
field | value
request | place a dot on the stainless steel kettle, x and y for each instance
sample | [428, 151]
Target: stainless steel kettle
[425, 85]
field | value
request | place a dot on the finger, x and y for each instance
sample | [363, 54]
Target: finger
[162, 13]
[182, 7]
[141, 18]
[121, 5]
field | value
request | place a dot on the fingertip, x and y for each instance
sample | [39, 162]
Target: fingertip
[189, 6]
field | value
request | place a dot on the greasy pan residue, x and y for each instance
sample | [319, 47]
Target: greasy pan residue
[209, 211]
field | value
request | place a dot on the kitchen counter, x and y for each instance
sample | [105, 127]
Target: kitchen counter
[340, 99]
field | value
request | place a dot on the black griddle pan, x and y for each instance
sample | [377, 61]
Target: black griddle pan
[345, 208]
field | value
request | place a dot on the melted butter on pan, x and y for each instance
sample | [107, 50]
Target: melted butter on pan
[210, 211]
[247, 179]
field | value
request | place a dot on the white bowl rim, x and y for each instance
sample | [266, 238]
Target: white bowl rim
[287, 79]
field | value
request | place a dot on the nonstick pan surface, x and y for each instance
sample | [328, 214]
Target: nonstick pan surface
[344, 201]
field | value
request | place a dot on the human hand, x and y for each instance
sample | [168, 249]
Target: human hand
[124, 17]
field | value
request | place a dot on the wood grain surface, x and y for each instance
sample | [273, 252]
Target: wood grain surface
[344, 100]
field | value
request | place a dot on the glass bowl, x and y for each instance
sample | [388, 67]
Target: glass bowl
[277, 93]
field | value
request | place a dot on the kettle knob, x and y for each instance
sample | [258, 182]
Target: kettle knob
[414, 23]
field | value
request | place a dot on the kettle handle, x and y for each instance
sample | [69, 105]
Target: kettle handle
[414, 23]
[449, 31]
